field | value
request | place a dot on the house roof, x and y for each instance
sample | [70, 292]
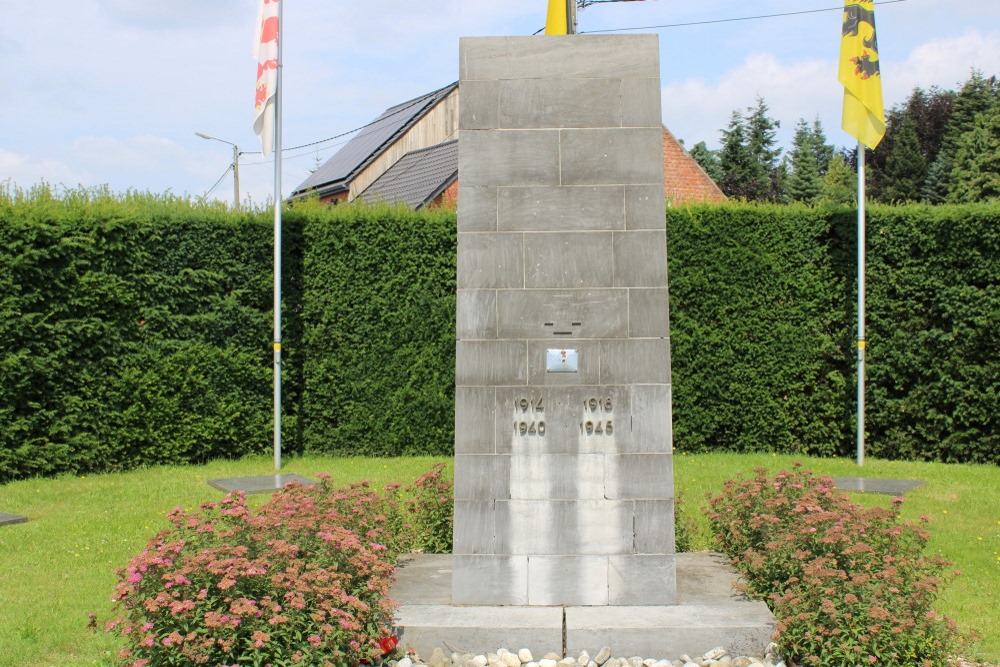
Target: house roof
[418, 177]
[336, 173]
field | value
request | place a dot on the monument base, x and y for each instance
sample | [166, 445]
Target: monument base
[708, 613]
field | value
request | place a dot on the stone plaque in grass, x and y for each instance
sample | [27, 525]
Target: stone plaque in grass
[258, 484]
[8, 519]
[891, 487]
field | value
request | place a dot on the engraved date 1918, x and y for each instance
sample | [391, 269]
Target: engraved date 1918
[599, 411]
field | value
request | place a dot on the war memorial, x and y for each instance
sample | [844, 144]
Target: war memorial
[564, 495]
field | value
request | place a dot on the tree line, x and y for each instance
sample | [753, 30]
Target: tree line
[940, 146]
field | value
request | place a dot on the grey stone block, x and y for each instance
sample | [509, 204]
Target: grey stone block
[641, 103]
[522, 405]
[497, 580]
[568, 259]
[637, 360]
[611, 156]
[543, 476]
[651, 419]
[426, 627]
[538, 103]
[588, 359]
[509, 157]
[564, 527]
[744, 629]
[645, 207]
[475, 420]
[477, 208]
[476, 314]
[479, 106]
[563, 314]
[648, 312]
[641, 580]
[562, 208]
[641, 259]
[565, 580]
[487, 362]
[7, 519]
[475, 527]
[640, 476]
[488, 260]
[559, 56]
[482, 477]
[654, 527]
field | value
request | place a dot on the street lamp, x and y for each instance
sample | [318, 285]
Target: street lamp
[236, 168]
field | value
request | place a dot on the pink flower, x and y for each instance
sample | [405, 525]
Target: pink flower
[134, 578]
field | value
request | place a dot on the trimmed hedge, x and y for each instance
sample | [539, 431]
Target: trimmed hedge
[764, 323]
[136, 329]
[379, 338]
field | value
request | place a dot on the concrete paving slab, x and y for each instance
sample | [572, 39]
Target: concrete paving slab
[892, 487]
[743, 628]
[258, 484]
[709, 612]
[479, 629]
[10, 519]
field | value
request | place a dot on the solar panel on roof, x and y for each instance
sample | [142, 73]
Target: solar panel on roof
[365, 145]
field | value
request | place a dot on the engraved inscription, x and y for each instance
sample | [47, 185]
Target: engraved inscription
[598, 416]
[529, 416]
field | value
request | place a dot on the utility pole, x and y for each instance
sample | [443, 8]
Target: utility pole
[236, 168]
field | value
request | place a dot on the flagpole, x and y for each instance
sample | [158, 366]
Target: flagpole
[861, 304]
[277, 248]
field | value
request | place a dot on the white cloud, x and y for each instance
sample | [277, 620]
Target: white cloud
[942, 62]
[695, 109]
[23, 171]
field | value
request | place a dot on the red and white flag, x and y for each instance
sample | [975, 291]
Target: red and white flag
[265, 52]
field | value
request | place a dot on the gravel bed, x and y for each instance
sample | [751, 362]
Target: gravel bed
[523, 658]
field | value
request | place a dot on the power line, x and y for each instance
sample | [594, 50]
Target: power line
[413, 103]
[740, 18]
[209, 191]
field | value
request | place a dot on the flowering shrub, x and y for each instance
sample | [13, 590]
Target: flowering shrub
[430, 508]
[302, 580]
[848, 585]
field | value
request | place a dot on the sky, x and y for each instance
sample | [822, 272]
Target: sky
[112, 92]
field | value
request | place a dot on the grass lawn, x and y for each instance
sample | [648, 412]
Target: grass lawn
[60, 565]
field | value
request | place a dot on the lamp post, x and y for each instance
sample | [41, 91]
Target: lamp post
[236, 168]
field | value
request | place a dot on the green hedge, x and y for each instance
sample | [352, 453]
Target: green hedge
[764, 322]
[136, 329]
[379, 338]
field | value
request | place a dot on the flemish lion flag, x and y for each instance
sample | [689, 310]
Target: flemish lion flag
[265, 52]
[864, 115]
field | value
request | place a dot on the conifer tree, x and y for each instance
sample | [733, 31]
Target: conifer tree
[905, 168]
[761, 131]
[840, 185]
[975, 174]
[708, 160]
[739, 177]
[804, 180]
[824, 151]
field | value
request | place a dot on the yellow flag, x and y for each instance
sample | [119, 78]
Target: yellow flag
[864, 115]
[556, 22]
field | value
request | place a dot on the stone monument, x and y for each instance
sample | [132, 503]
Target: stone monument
[564, 497]
[563, 464]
